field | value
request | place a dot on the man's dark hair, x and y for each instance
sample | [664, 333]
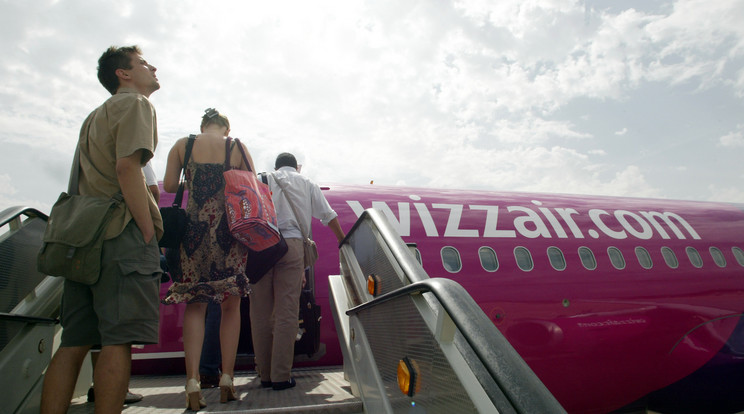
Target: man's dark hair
[285, 159]
[112, 59]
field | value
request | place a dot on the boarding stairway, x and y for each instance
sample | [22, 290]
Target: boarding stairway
[416, 344]
[448, 352]
[29, 306]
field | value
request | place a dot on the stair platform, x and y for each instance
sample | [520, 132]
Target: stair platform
[318, 391]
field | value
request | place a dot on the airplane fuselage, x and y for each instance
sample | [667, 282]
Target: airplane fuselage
[607, 299]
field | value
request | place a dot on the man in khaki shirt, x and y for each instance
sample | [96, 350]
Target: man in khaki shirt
[116, 141]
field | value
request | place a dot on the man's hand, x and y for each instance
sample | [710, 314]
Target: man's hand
[133, 188]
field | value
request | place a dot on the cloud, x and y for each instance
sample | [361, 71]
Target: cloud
[11, 196]
[697, 40]
[726, 194]
[6, 187]
[532, 169]
[733, 138]
[529, 94]
[631, 181]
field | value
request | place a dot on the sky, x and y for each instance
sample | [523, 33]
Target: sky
[638, 98]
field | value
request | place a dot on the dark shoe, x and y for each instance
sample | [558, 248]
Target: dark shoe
[266, 384]
[278, 386]
[210, 381]
[132, 398]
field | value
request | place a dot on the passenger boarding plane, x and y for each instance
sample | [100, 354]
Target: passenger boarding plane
[615, 303]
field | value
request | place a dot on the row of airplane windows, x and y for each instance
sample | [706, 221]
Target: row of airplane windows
[489, 261]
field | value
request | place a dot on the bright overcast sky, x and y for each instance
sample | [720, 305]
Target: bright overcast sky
[635, 98]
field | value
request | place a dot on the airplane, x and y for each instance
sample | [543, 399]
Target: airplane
[617, 304]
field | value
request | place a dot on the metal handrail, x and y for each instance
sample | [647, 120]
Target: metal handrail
[27, 319]
[413, 270]
[10, 214]
[515, 378]
[524, 390]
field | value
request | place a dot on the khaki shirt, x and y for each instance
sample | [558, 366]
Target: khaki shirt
[125, 123]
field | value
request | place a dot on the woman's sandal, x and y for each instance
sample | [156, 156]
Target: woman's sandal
[227, 390]
[194, 399]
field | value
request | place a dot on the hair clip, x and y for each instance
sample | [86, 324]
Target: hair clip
[211, 113]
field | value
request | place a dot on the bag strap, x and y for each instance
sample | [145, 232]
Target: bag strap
[228, 152]
[181, 182]
[292, 205]
[72, 185]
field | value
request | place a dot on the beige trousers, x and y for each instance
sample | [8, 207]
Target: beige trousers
[275, 307]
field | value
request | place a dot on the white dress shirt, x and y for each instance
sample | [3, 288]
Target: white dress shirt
[150, 177]
[307, 197]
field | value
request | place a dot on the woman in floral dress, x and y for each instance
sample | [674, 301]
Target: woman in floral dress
[212, 261]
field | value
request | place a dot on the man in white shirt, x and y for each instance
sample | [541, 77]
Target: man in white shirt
[151, 180]
[278, 292]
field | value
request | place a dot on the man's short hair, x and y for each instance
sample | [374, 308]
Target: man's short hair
[112, 59]
[285, 159]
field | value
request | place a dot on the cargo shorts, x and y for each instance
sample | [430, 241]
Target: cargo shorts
[123, 306]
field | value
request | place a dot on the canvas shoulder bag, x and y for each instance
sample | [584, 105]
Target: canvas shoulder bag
[73, 239]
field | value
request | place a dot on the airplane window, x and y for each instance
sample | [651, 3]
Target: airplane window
[669, 257]
[417, 254]
[556, 258]
[524, 259]
[415, 251]
[488, 259]
[717, 255]
[694, 257]
[616, 258]
[739, 255]
[644, 258]
[587, 258]
[451, 259]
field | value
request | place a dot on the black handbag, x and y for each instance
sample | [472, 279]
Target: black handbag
[174, 217]
[258, 263]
